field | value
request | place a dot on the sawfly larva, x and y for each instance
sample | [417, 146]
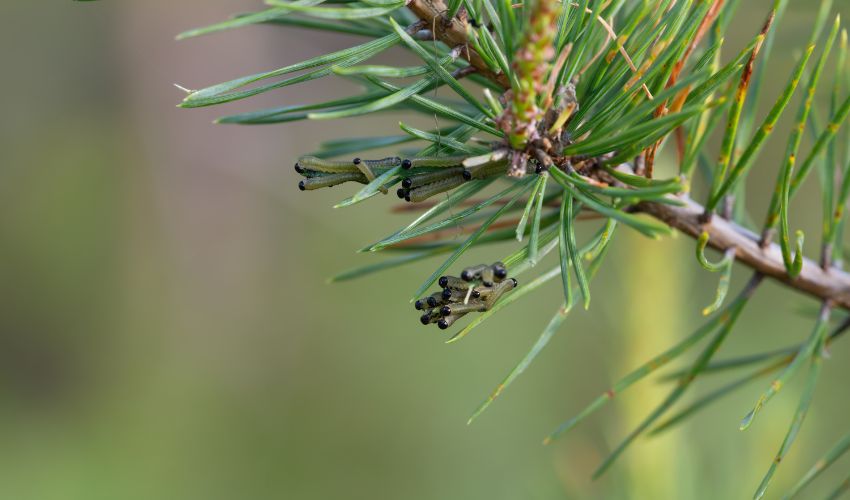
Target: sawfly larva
[424, 192]
[331, 180]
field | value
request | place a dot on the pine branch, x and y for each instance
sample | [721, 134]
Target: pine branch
[579, 96]
[827, 285]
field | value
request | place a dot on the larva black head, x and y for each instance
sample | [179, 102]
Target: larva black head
[443, 281]
[302, 186]
[425, 319]
[500, 271]
[407, 196]
[467, 175]
[419, 305]
[486, 283]
[443, 324]
[401, 193]
[476, 294]
[406, 183]
[298, 168]
[405, 163]
[432, 301]
[539, 169]
[515, 282]
[445, 310]
[467, 275]
[356, 161]
[447, 293]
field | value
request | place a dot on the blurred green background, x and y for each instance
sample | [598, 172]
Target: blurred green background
[166, 330]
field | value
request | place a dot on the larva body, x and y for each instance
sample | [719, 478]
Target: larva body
[473, 273]
[430, 316]
[444, 323]
[461, 308]
[424, 192]
[453, 282]
[388, 162]
[419, 180]
[487, 276]
[331, 180]
[499, 290]
[436, 161]
[486, 170]
[326, 166]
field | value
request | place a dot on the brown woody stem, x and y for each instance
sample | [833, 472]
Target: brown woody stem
[452, 32]
[831, 284]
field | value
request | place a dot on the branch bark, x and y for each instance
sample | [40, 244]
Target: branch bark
[452, 32]
[830, 285]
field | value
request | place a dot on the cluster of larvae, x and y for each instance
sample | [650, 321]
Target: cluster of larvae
[477, 289]
[427, 177]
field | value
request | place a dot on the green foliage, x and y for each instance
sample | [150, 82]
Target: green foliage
[567, 106]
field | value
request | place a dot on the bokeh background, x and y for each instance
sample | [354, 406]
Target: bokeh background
[166, 330]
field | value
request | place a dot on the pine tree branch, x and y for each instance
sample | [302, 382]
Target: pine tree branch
[830, 285]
